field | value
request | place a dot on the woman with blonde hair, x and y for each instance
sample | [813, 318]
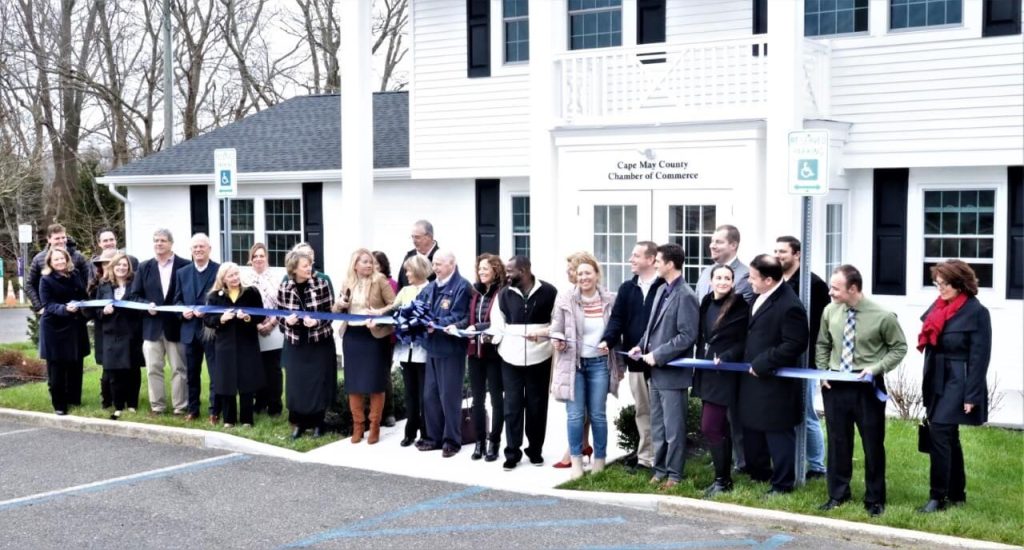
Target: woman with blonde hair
[367, 361]
[238, 371]
[572, 262]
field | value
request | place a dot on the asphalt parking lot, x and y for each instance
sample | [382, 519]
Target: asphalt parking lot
[61, 489]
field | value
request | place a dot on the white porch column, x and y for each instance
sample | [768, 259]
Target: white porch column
[351, 228]
[545, 240]
[785, 113]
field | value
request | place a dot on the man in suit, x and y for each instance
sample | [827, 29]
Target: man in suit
[670, 334]
[161, 331]
[56, 237]
[192, 283]
[626, 325]
[772, 407]
[856, 335]
[106, 239]
[423, 243]
[787, 252]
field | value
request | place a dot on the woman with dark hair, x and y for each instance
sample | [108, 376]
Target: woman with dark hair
[63, 340]
[238, 370]
[100, 266]
[268, 398]
[309, 354]
[956, 339]
[119, 337]
[484, 361]
[722, 336]
[384, 268]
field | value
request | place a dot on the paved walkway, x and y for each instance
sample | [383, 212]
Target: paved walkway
[14, 324]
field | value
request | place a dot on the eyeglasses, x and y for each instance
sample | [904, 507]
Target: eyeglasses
[940, 284]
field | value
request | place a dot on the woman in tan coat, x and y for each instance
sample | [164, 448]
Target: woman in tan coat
[366, 349]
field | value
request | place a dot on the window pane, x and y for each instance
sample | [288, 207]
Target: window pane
[931, 222]
[615, 219]
[986, 223]
[933, 247]
[968, 223]
[600, 219]
[969, 248]
[630, 218]
[986, 198]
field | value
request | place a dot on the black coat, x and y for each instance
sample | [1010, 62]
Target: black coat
[190, 289]
[146, 289]
[955, 369]
[62, 334]
[776, 338]
[237, 364]
[727, 339]
[819, 299]
[628, 321]
[402, 280]
[118, 335]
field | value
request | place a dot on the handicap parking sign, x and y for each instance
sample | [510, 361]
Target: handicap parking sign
[807, 169]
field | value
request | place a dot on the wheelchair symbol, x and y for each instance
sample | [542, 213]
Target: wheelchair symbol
[808, 169]
[225, 178]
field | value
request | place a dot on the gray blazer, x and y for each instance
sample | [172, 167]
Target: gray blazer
[670, 334]
[741, 274]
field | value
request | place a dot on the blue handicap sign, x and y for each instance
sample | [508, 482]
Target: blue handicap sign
[807, 170]
[225, 178]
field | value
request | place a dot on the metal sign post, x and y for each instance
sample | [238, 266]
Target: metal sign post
[808, 176]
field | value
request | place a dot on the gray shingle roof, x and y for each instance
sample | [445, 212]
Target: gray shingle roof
[299, 134]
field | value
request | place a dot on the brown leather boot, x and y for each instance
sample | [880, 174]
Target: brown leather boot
[355, 405]
[376, 412]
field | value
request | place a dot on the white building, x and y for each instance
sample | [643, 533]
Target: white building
[547, 126]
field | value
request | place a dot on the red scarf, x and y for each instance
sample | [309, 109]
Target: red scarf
[936, 320]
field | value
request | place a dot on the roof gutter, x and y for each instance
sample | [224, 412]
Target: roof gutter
[379, 174]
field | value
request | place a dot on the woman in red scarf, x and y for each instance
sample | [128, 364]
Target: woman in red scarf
[956, 339]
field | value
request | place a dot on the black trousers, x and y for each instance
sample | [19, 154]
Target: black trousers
[74, 382]
[307, 421]
[120, 386]
[134, 386]
[526, 402]
[947, 465]
[231, 410]
[850, 404]
[412, 375]
[268, 398]
[485, 378]
[194, 352]
[771, 456]
[60, 376]
[106, 395]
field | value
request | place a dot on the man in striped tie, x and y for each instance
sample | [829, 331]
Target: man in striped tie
[858, 336]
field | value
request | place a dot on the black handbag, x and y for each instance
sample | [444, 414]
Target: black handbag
[469, 434]
[924, 437]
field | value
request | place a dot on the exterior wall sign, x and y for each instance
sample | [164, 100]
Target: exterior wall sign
[649, 168]
[225, 173]
[808, 162]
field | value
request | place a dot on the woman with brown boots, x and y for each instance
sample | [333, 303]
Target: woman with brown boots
[366, 348]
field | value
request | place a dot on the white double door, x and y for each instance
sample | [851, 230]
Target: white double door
[612, 222]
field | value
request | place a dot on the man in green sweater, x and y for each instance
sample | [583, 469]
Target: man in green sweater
[858, 336]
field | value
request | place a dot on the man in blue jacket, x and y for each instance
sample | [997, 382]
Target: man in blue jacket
[448, 299]
[194, 282]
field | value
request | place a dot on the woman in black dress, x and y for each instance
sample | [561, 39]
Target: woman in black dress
[238, 369]
[63, 340]
[119, 337]
[308, 356]
[722, 337]
[956, 339]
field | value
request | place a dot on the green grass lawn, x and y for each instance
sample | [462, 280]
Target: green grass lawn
[36, 397]
[994, 460]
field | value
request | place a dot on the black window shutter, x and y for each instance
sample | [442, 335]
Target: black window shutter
[1015, 240]
[761, 16]
[199, 208]
[478, 37]
[488, 216]
[1000, 17]
[889, 253]
[313, 219]
[650, 21]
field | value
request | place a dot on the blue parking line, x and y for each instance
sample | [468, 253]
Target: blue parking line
[502, 504]
[100, 486]
[506, 526]
[775, 541]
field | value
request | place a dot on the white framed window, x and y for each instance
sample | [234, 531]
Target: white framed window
[691, 227]
[615, 235]
[833, 237]
[516, 25]
[521, 225]
[276, 222]
[960, 223]
[595, 24]
[831, 17]
[909, 14]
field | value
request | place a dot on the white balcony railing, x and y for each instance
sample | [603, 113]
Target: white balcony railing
[655, 81]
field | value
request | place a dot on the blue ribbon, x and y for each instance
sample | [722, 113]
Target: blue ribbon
[319, 315]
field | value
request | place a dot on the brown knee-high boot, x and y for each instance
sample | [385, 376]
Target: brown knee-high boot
[355, 405]
[376, 411]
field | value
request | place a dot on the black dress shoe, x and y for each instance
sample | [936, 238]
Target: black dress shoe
[509, 465]
[832, 503]
[492, 451]
[478, 451]
[297, 432]
[933, 506]
[425, 446]
[389, 421]
[448, 452]
[778, 491]
[815, 474]
[874, 509]
[407, 441]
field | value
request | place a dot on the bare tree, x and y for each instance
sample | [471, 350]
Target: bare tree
[197, 35]
[389, 27]
[321, 31]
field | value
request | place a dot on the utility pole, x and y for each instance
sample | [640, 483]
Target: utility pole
[168, 81]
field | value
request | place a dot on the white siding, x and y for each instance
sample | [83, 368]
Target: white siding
[704, 20]
[153, 208]
[460, 126]
[931, 101]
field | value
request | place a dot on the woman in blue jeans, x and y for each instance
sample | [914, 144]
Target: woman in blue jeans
[584, 374]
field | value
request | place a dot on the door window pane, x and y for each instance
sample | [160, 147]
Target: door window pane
[615, 235]
[691, 227]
